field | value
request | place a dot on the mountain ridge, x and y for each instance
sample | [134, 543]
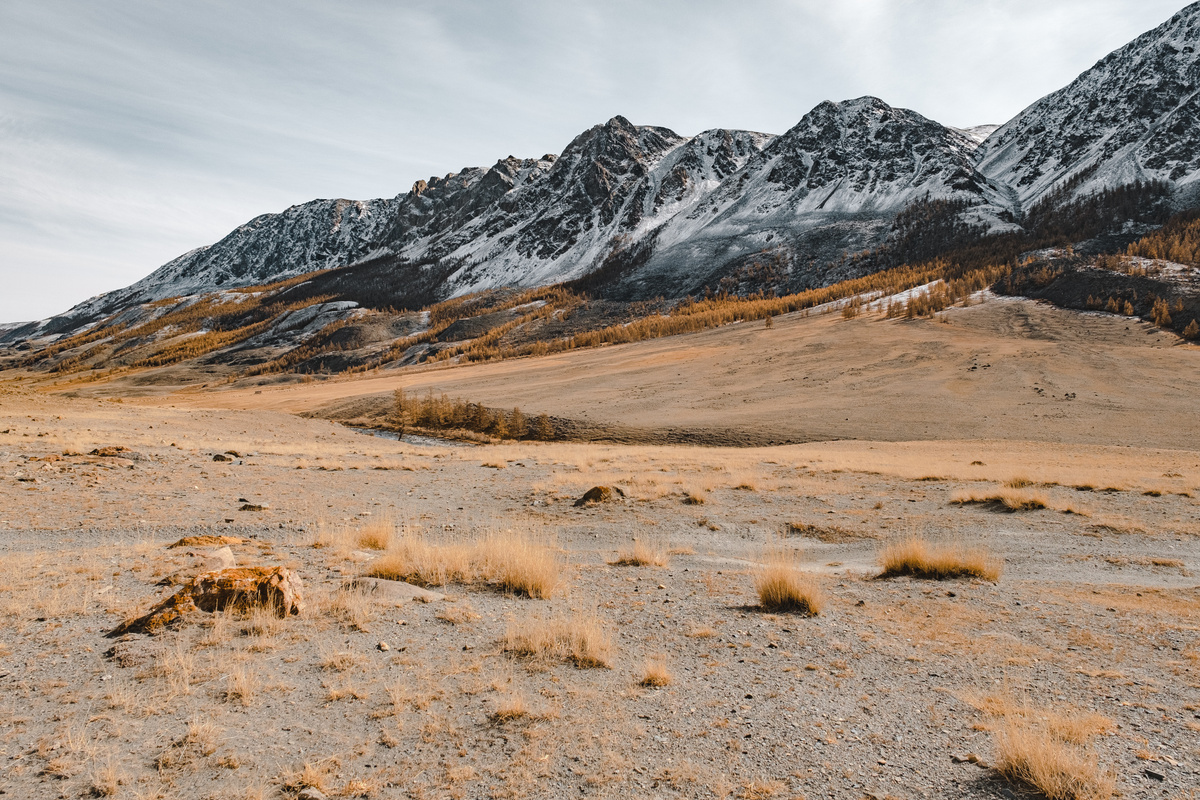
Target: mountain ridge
[638, 211]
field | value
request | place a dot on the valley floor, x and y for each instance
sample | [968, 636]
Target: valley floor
[1091, 628]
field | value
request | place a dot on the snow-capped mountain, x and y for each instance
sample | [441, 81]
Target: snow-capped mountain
[830, 185]
[1135, 115]
[320, 234]
[530, 222]
[978, 133]
[654, 212]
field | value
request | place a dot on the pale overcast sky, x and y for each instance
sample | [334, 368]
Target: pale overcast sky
[132, 131]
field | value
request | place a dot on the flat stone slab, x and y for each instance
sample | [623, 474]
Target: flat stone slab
[388, 591]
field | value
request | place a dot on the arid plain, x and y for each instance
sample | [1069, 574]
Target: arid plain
[1062, 449]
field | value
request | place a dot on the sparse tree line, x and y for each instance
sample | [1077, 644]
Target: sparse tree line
[1129, 290]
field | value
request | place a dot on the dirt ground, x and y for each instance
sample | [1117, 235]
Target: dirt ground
[898, 688]
[1005, 368]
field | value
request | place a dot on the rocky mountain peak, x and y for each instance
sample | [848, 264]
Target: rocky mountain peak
[1135, 115]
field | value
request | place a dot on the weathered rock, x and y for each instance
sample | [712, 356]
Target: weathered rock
[194, 561]
[221, 457]
[118, 451]
[254, 507]
[386, 591]
[206, 541]
[311, 793]
[598, 494]
[239, 588]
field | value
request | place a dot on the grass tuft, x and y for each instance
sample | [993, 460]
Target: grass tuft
[376, 535]
[581, 640]
[510, 562]
[919, 558]
[1029, 753]
[783, 586]
[656, 674]
[1002, 501]
[642, 554]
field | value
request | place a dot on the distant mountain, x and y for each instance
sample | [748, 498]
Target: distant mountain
[320, 234]
[1134, 116]
[633, 212]
[532, 222]
[978, 133]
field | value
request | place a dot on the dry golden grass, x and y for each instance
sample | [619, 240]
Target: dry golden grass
[1044, 748]
[761, 790]
[509, 709]
[642, 554]
[511, 562]
[376, 535]
[1068, 724]
[199, 742]
[919, 558]
[242, 685]
[106, 778]
[581, 640]
[656, 673]
[1019, 482]
[353, 607]
[782, 586]
[1031, 754]
[308, 777]
[457, 614]
[1006, 500]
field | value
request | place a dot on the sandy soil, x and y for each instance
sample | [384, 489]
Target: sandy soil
[1093, 620]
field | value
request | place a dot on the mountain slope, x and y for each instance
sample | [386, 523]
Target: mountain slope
[553, 219]
[1135, 115]
[831, 185]
[320, 234]
[631, 212]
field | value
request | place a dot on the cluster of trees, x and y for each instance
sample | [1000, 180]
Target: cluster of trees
[1178, 240]
[440, 413]
[944, 294]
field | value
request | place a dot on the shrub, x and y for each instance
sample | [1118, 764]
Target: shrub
[581, 640]
[918, 558]
[782, 586]
[642, 555]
